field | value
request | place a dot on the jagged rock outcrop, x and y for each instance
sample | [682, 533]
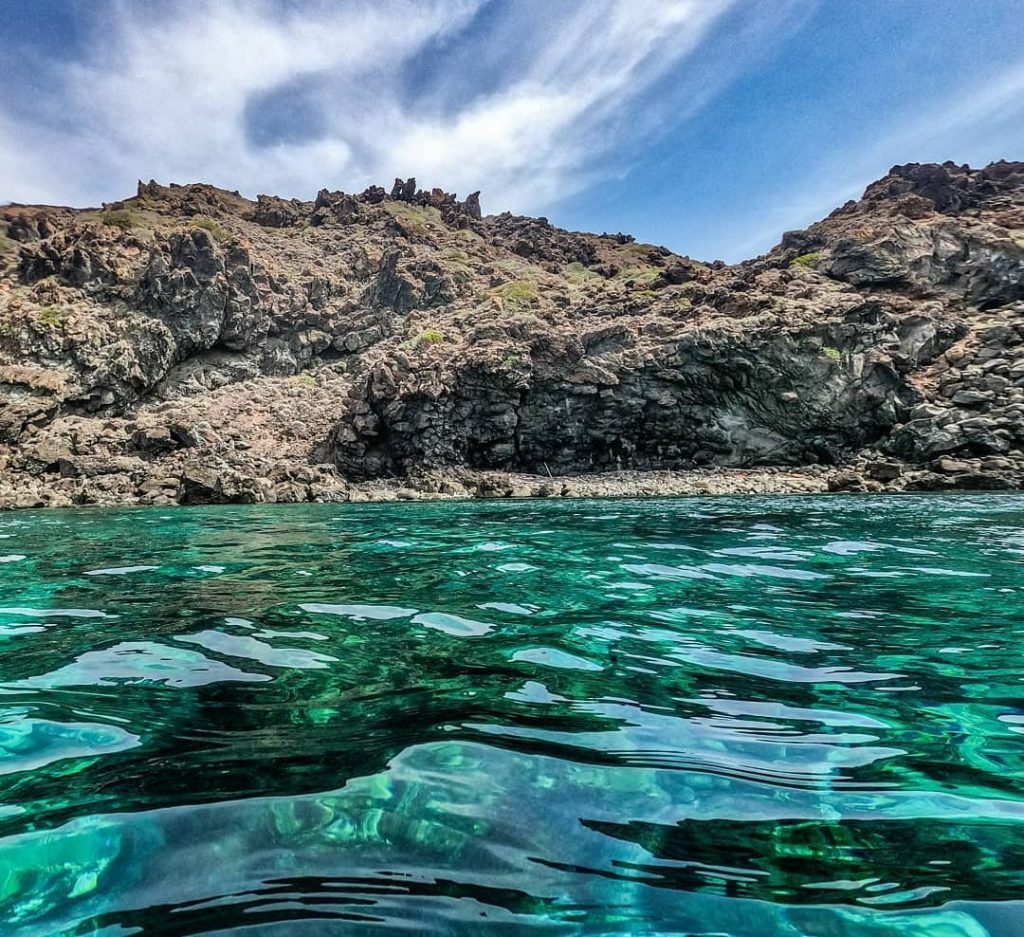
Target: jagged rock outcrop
[274, 212]
[190, 345]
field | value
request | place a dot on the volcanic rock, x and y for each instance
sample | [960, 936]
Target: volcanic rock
[191, 341]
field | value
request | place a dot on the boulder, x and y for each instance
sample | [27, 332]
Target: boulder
[883, 471]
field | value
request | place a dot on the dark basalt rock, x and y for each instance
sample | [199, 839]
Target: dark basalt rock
[404, 189]
[273, 212]
[741, 399]
[392, 290]
[335, 206]
[28, 226]
[951, 189]
[472, 205]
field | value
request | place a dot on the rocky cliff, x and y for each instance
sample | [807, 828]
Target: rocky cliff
[191, 345]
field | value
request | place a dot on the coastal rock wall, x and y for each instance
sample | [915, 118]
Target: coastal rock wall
[191, 344]
[726, 397]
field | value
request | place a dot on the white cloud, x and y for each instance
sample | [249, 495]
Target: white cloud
[167, 92]
[535, 139]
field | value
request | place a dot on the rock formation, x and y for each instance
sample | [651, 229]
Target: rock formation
[191, 345]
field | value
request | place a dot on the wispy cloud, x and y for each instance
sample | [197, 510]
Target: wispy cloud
[538, 138]
[181, 93]
[984, 118]
[166, 93]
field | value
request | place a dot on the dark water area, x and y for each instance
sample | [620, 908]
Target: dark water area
[721, 716]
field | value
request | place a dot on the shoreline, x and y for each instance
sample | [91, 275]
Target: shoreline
[198, 485]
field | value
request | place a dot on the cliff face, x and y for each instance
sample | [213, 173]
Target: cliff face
[188, 344]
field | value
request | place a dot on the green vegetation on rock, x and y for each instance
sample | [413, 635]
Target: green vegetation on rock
[455, 257]
[515, 295]
[430, 336]
[123, 218]
[51, 316]
[804, 260]
[415, 219]
[577, 272]
[213, 227]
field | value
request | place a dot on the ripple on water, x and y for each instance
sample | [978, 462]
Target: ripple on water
[773, 716]
[56, 612]
[454, 625]
[379, 612]
[553, 657]
[27, 744]
[138, 662]
[260, 651]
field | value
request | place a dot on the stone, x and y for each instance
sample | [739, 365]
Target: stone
[45, 457]
[291, 492]
[471, 206]
[971, 398]
[392, 290]
[154, 440]
[91, 466]
[200, 484]
[273, 212]
[884, 471]
[404, 190]
[981, 481]
[928, 481]
[951, 466]
[847, 482]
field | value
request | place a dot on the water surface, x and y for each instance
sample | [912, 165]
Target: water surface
[772, 716]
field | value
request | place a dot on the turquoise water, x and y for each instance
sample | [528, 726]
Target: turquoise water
[771, 716]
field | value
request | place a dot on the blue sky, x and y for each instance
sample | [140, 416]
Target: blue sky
[710, 126]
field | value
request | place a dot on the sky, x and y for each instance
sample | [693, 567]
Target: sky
[710, 126]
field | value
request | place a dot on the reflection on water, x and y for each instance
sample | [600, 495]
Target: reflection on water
[768, 717]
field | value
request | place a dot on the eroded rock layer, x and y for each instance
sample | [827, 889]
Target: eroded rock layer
[191, 345]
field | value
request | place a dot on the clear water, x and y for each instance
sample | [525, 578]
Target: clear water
[715, 716]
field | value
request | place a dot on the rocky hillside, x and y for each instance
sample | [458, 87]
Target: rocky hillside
[191, 345]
